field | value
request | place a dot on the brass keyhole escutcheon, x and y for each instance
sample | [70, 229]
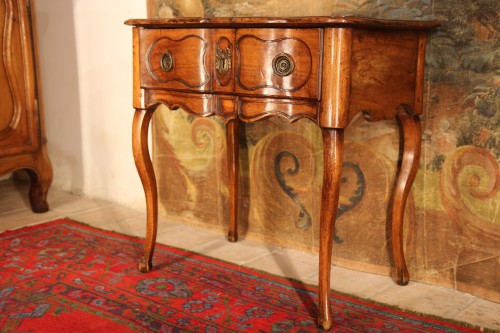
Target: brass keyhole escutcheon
[167, 62]
[223, 62]
[283, 64]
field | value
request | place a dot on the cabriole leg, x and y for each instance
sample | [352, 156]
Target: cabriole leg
[333, 146]
[140, 126]
[412, 136]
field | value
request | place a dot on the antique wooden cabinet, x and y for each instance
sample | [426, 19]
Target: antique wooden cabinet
[22, 134]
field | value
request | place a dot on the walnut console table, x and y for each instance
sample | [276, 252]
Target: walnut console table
[326, 69]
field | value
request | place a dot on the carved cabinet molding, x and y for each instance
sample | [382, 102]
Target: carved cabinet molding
[22, 134]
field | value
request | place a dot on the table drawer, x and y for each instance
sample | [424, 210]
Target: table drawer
[278, 62]
[175, 59]
[271, 62]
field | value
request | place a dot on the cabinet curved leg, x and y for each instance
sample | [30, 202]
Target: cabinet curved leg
[333, 147]
[412, 136]
[232, 141]
[140, 126]
[41, 178]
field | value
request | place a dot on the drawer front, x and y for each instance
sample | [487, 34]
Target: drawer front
[175, 59]
[278, 62]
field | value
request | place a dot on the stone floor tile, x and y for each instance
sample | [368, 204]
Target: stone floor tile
[136, 225]
[20, 218]
[66, 203]
[13, 197]
[483, 312]
[422, 298]
[187, 237]
[285, 262]
[360, 284]
[104, 215]
[239, 253]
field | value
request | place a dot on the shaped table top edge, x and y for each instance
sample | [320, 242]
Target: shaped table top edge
[282, 22]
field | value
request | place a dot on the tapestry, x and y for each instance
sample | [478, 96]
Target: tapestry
[452, 220]
[64, 276]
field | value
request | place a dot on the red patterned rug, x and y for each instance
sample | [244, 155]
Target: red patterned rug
[64, 276]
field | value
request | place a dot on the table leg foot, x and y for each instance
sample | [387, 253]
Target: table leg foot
[402, 277]
[325, 319]
[232, 236]
[145, 265]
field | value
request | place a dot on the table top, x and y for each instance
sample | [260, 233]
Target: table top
[281, 22]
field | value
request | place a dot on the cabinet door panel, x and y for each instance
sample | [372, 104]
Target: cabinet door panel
[18, 112]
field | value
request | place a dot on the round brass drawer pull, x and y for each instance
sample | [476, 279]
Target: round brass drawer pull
[283, 64]
[167, 62]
